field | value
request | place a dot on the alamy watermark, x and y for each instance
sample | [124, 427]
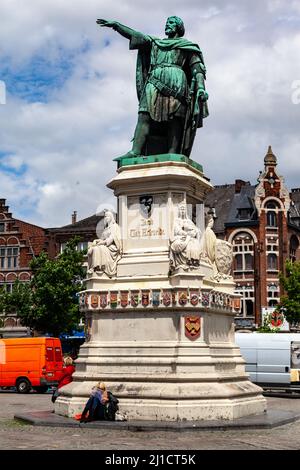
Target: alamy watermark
[296, 92]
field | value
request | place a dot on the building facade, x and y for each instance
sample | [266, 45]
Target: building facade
[262, 222]
[86, 230]
[19, 242]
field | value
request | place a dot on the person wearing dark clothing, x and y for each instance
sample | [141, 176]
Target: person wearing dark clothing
[101, 405]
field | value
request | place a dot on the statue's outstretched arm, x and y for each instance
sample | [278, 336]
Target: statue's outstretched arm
[128, 33]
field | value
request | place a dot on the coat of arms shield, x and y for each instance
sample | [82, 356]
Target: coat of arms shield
[166, 298]
[94, 301]
[194, 297]
[124, 299]
[103, 300]
[145, 299]
[192, 327]
[134, 299]
[182, 297]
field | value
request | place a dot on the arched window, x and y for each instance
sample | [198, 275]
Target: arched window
[273, 303]
[271, 207]
[243, 248]
[272, 262]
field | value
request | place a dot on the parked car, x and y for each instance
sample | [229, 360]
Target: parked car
[272, 359]
[27, 363]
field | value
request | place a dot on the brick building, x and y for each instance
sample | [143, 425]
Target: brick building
[262, 222]
[19, 242]
[86, 229]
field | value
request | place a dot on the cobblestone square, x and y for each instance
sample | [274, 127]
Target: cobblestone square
[15, 435]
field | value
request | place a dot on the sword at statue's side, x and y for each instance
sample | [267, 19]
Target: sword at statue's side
[189, 111]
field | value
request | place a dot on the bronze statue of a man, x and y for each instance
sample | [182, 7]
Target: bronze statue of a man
[170, 84]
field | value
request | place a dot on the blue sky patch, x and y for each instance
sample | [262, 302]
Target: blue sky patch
[36, 80]
[10, 170]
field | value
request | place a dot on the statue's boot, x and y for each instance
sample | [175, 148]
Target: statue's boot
[130, 154]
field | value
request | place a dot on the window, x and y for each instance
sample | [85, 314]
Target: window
[238, 265]
[244, 214]
[58, 355]
[244, 245]
[247, 300]
[272, 262]
[82, 246]
[249, 308]
[2, 258]
[248, 262]
[9, 288]
[62, 247]
[9, 257]
[294, 245]
[271, 219]
[2, 227]
[271, 207]
[49, 354]
[6, 287]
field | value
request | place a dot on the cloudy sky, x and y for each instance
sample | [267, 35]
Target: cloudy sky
[72, 107]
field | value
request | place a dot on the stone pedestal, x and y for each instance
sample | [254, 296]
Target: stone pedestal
[162, 341]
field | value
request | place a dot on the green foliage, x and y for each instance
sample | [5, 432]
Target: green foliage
[266, 326]
[49, 302]
[290, 301]
[2, 300]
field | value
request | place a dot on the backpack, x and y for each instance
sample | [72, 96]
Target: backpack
[111, 407]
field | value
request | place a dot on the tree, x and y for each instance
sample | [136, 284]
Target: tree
[49, 303]
[2, 306]
[290, 300]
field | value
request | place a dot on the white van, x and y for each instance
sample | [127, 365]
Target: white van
[271, 358]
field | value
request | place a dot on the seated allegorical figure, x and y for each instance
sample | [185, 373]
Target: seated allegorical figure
[105, 252]
[185, 247]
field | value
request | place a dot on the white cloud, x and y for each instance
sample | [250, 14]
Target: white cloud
[61, 150]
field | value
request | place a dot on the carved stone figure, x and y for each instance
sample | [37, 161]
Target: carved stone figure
[223, 259]
[185, 247]
[105, 252]
[170, 81]
[208, 243]
[216, 252]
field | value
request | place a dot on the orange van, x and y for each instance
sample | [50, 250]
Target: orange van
[27, 363]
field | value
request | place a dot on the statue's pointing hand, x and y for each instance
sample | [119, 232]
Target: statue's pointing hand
[108, 24]
[203, 94]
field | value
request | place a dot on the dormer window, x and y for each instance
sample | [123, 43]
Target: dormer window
[244, 214]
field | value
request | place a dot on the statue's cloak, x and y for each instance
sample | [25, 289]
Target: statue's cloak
[197, 109]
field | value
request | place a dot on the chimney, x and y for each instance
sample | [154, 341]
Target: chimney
[239, 184]
[74, 217]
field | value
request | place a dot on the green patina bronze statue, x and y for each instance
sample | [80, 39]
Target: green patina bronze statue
[170, 80]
